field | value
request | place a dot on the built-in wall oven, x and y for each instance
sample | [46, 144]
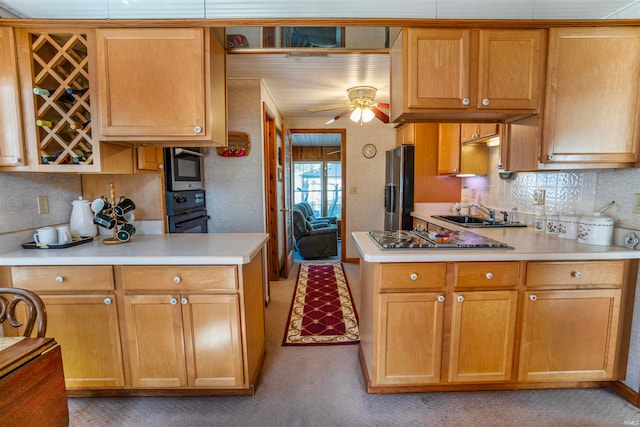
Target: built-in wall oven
[187, 211]
[183, 168]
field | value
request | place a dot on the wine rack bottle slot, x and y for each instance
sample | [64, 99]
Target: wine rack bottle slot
[73, 91]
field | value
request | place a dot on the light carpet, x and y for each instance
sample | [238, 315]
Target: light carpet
[322, 310]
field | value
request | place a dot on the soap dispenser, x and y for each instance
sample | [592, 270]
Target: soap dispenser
[81, 223]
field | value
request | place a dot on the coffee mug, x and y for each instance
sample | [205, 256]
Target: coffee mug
[126, 232]
[100, 204]
[129, 217]
[46, 236]
[125, 205]
[104, 219]
[64, 234]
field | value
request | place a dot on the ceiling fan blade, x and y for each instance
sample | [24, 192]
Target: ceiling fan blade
[380, 115]
[339, 116]
[327, 107]
[381, 105]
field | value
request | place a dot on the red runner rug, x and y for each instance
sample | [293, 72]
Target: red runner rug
[322, 310]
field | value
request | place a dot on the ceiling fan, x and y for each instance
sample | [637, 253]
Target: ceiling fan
[361, 106]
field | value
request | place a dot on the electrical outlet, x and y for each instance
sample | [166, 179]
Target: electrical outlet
[538, 197]
[636, 203]
[43, 205]
[353, 190]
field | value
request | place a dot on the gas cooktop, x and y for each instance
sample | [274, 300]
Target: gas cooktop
[433, 238]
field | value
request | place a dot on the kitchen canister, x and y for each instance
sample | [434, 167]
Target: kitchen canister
[551, 224]
[568, 226]
[595, 230]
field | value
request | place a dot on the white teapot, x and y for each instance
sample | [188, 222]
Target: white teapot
[81, 223]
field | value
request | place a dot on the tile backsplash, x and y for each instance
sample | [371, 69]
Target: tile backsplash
[579, 192]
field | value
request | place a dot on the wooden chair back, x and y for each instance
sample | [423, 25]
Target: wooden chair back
[10, 299]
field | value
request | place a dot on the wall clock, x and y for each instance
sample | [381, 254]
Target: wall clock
[369, 151]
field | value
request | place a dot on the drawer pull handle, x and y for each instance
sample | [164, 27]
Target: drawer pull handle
[414, 276]
[173, 301]
[177, 279]
[577, 274]
[460, 298]
[59, 279]
[107, 301]
[533, 297]
[489, 275]
[184, 301]
[441, 298]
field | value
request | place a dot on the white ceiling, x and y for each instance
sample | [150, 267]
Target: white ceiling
[296, 83]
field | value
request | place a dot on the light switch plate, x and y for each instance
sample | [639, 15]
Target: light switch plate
[538, 197]
[636, 203]
[43, 205]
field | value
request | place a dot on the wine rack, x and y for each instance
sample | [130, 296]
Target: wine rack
[61, 101]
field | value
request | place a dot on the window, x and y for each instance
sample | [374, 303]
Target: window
[319, 184]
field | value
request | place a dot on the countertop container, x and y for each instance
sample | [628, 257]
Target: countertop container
[568, 226]
[595, 230]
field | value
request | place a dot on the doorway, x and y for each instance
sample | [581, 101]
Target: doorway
[318, 174]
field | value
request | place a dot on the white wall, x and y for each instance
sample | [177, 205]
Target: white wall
[364, 208]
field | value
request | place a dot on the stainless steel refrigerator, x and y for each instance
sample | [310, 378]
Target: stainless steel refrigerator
[398, 191]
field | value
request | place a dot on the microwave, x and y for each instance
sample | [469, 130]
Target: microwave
[183, 168]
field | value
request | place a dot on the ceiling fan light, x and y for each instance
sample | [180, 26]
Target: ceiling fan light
[367, 115]
[356, 115]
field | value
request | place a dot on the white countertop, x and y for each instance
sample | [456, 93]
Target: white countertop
[163, 249]
[527, 244]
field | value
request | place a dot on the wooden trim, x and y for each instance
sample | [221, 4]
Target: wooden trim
[626, 392]
[321, 22]
[271, 198]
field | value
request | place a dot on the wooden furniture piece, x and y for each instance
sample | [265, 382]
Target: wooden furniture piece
[11, 136]
[577, 91]
[494, 325]
[91, 350]
[11, 299]
[161, 84]
[32, 391]
[444, 74]
[458, 158]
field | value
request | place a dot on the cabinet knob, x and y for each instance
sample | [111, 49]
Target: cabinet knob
[107, 301]
[466, 101]
[59, 279]
[173, 301]
[533, 297]
[577, 274]
[485, 102]
[460, 298]
[177, 279]
[14, 159]
[441, 298]
[414, 276]
[489, 275]
[197, 129]
[184, 301]
[551, 157]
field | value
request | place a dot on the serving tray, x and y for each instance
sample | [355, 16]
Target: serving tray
[73, 242]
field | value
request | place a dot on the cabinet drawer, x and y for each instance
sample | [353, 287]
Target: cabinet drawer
[151, 278]
[598, 273]
[487, 274]
[412, 276]
[63, 278]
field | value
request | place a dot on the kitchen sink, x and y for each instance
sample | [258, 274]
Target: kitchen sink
[470, 221]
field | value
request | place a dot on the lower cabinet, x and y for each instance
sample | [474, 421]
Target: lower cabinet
[184, 340]
[569, 335]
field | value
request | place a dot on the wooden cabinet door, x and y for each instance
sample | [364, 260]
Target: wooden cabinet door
[155, 342]
[569, 335]
[449, 148]
[510, 69]
[593, 83]
[86, 327]
[482, 336]
[410, 328]
[468, 132]
[150, 158]
[212, 340]
[11, 138]
[437, 72]
[153, 82]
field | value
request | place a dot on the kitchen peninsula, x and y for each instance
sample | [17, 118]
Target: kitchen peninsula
[544, 313]
[173, 314]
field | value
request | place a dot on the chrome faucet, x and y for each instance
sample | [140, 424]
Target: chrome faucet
[485, 209]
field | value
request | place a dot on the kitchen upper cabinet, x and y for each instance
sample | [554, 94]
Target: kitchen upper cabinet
[452, 74]
[161, 84]
[149, 158]
[520, 145]
[11, 138]
[592, 111]
[455, 158]
[477, 131]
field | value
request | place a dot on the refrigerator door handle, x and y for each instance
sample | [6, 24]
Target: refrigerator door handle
[390, 198]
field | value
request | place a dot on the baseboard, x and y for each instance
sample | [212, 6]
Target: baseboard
[626, 392]
[352, 260]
